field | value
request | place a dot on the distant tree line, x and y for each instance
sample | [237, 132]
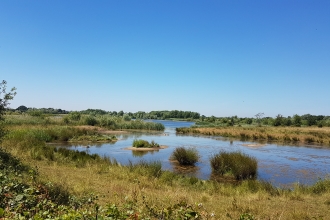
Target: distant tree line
[278, 120]
[23, 109]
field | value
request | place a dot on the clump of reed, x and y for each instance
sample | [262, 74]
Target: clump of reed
[238, 164]
[139, 143]
[185, 156]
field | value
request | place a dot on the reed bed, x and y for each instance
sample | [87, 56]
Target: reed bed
[306, 135]
[105, 121]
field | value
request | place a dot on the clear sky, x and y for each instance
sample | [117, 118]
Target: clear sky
[220, 58]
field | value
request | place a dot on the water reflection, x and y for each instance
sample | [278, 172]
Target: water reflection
[137, 153]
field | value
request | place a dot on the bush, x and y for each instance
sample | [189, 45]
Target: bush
[186, 156]
[240, 165]
[139, 143]
[90, 120]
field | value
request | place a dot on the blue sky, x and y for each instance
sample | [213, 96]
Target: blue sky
[220, 58]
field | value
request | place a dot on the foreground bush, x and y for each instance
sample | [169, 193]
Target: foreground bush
[240, 165]
[186, 156]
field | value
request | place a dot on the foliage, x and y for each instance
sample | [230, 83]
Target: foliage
[240, 165]
[139, 143]
[35, 112]
[75, 116]
[5, 97]
[185, 156]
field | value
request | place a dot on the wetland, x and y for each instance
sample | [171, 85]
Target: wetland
[281, 164]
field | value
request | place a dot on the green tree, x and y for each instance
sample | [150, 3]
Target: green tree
[259, 117]
[296, 120]
[22, 108]
[278, 120]
[4, 102]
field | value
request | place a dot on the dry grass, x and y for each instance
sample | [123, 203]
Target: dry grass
[307, 135]
[115, 183]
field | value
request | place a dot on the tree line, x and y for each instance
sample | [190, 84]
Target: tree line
[278, 120]
[174, 114]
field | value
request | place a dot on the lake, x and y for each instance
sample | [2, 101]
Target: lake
[282, 165]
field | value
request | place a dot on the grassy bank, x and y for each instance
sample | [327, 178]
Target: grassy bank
[76, 119]
[138, 191]
[306, 135]
[58, 133]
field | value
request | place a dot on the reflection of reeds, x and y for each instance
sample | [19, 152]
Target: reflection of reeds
[282, 134]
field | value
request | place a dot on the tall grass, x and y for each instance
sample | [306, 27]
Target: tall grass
[185, 156]
[278, 134]
[240, 165]
[105, 121]
[143, 167]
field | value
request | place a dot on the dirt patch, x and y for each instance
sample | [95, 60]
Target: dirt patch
[146, 148]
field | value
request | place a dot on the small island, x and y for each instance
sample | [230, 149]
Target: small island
[143, 145]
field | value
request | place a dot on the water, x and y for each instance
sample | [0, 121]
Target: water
[281, 165]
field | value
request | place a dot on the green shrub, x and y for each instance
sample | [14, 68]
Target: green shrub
[139, 143]
[185, 156]
[154, 144]
[90, 120]
[240, 165]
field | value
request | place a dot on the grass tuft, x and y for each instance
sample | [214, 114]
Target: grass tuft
[240, 165]
[185, 156]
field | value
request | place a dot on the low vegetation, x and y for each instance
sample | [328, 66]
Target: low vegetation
[76, 119]
[185, 156]
[58, 133]
[238, 164]
[305, 135]
[139, 143]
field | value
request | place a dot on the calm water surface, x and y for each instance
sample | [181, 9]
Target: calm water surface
[281, 165]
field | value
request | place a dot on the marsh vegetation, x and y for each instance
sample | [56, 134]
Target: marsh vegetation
[306, 135]
[49, 182]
